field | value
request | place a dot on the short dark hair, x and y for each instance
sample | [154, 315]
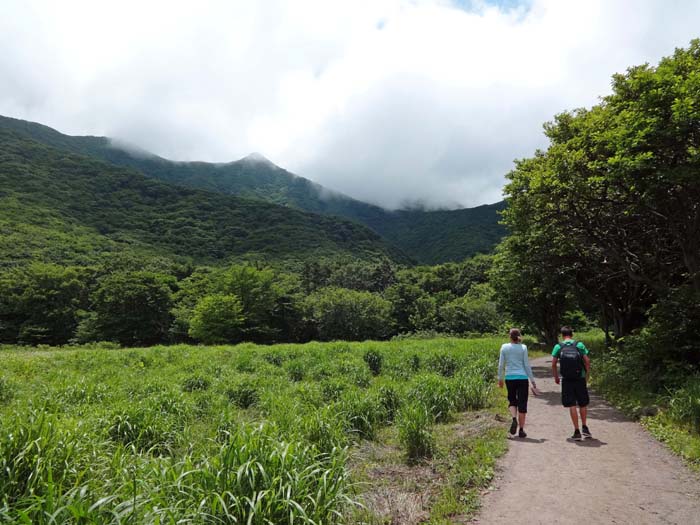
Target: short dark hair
[514, 334]
[566, 331]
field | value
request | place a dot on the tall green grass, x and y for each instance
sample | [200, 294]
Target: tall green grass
[240, 434]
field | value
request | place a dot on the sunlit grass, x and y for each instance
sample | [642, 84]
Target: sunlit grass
[217, 434]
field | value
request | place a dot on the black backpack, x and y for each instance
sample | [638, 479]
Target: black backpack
[570, 361]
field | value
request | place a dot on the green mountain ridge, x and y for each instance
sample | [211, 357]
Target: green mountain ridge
[430, 237]
[59, 206]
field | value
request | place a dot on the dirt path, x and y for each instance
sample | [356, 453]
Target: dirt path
[621, 476]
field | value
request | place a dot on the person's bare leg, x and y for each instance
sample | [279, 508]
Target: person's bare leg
[521, 419]
[513, 411]
[574, 416]
[584, 413]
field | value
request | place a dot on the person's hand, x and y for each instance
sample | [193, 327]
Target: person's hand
[556, 380]
[500, 383]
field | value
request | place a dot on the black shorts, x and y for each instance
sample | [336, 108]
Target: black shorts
[518, 390]
[574, 392]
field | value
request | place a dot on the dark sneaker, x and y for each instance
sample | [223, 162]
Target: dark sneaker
[513, 427]
[586, 433]
[522, 434]
[577, 435]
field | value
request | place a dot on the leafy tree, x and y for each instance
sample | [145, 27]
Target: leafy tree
[403, 297]
[532, 285]
[40, 304]
[614, 199]
[258, 293]
[217, 319]
[425, 313]
[131, 308]
[338, 313]
[190, 291]
[470, 315]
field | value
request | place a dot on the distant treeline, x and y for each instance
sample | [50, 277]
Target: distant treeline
[137, 302]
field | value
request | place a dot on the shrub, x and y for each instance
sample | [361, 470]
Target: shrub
[443, 364]
[684, 405]
[244, 394]
[414, 422]
[7, 390]
[194, 383]
[471, 392]
[374, 361]
[350, 315]
[435, 394]
[390, 400]
[363, 413]
[217, 319]
[295, 370]
[143, 429]
[257, 478]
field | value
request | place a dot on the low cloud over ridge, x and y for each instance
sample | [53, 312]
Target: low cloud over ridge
[388, 101]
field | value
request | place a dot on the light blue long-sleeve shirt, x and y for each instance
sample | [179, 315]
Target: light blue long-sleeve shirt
[513, 360]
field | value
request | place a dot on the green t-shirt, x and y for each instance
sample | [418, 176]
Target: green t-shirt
[579, 346]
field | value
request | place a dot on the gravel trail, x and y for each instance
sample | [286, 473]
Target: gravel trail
[622, 475]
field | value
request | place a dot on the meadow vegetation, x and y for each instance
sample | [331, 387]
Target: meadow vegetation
[232, 434]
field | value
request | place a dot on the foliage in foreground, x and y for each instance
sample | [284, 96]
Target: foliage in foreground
[665, 398]
[215, 435]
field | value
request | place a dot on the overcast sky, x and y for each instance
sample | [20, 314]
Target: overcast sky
[389, 101]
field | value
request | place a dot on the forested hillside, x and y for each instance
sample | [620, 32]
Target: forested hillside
[63, 207]
[430, 237]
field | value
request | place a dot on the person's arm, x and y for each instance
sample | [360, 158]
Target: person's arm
[586, 360]
[501, 365]
[528, 368]
[555, 372]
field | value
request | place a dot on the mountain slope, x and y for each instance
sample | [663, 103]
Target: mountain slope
[59, 206]
[430, 237]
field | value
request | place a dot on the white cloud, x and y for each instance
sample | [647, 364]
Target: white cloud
[387, 100]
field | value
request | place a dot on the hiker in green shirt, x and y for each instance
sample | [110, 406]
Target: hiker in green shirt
[575, 368]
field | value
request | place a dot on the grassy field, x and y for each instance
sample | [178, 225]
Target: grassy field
[394, 432]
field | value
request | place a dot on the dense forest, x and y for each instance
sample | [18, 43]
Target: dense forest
[429, 237]
[137, 301]
[60, 207]
[607, 219]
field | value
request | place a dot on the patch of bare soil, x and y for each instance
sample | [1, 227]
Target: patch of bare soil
[398, 493]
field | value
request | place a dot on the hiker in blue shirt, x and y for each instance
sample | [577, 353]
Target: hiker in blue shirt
[514, 365]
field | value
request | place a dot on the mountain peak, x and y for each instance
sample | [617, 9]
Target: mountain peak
[257, 158]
